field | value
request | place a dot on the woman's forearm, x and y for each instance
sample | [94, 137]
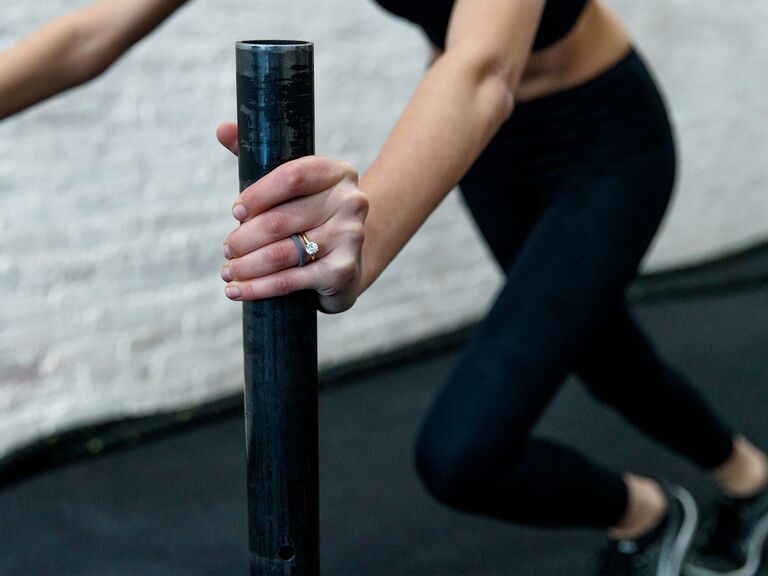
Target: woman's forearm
[75, 48]
[110, 27]
[455, 111]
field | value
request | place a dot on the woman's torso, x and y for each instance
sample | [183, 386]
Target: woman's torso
[576, 40]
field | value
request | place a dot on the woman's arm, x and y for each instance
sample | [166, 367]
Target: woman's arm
[75, 48]
[461, 102]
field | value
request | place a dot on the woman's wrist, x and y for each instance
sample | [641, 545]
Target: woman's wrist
[372, 267]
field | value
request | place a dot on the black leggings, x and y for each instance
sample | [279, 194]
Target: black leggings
[568, 196]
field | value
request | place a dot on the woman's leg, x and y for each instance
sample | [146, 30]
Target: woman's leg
[584, 177]
[621, 368]
[745, 472]
[474, 450]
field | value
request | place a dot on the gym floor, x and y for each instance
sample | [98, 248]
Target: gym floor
[176, 505]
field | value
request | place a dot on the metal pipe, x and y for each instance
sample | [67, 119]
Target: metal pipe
[275, 117]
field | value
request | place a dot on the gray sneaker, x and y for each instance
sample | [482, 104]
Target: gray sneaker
[732, 541]
[663, 550]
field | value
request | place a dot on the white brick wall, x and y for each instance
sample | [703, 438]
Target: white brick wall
[114, 198]
[711, 59]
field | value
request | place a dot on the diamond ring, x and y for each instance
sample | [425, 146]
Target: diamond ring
[310, 247]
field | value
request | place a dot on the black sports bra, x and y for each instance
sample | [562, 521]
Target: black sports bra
[557, 19]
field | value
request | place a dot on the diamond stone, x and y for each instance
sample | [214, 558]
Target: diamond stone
[311, 248]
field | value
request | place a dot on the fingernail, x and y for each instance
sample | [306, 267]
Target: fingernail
[232, 292]
[239, 212]
[227, 251]
[226, 274]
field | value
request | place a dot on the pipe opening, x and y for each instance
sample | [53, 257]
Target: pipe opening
[286, 553]
[275, 42]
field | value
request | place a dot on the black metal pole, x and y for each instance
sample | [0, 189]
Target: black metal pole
[275, 117]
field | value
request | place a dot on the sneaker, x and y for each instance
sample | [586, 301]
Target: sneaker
[733, 540]
[661, 551]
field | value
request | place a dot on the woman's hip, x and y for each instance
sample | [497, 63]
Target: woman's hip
[619, 114]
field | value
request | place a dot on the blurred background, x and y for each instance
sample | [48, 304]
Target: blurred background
[115, 199]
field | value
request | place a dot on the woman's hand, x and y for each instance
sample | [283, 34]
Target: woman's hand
[314, 195]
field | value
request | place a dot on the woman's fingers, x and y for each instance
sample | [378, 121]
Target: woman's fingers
[301, 177]
[334, 274]
[279, 223]
[335, 278]
[278, 284]
[274, 257]
[227, 135]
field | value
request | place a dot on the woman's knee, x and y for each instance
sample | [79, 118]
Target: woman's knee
[455, 467]
[442, 465]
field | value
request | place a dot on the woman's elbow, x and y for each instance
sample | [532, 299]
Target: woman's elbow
[496, 94]
[87, 63]
[503, 98]
[495, 79]
[85, 56]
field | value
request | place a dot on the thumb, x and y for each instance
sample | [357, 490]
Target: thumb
[227, 134]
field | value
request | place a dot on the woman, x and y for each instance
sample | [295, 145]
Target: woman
[546, 116]
[74, 49]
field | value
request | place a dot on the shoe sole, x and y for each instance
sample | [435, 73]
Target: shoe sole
[674, 561]
[754, 555]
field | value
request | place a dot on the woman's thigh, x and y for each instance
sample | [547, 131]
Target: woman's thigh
[500, 200]
[568, 272]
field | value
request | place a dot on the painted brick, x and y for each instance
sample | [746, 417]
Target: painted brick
[114, 198]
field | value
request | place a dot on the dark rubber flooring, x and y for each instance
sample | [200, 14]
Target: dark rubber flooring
[177, 505]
